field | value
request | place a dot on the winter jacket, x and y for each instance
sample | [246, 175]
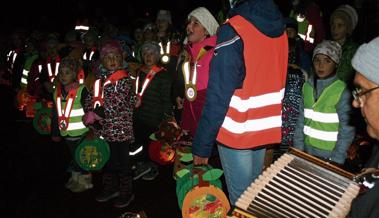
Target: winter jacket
[227, 71]
[346, 132]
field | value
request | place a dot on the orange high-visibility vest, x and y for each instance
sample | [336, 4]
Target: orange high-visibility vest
[254, 115]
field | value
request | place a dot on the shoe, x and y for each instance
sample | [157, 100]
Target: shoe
[73, 180]
[106, 196]
[152, 174]
[123, 201]
[84, 183]
[141, 169]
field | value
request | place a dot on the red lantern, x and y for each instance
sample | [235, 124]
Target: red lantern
[161, 152]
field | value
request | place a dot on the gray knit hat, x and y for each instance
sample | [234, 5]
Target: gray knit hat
[348, 14]
[206, 19]
[152, 46]
[329, 48]
[164, 15]
[366, 60]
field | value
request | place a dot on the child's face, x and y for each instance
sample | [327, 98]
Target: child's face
[195, 31]
[338, 29]
[112, 61]
[324, 66]
[66, 76]
[149, 58]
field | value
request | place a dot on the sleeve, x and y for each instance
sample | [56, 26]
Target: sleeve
[346, 132]
[298, 136]
[227, 73]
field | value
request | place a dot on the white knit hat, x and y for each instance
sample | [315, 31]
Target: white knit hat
[347, 13]
[206, 19]
[329, 48]
[366, 60]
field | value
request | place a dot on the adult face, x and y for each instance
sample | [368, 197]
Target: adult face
[367, 99]
[195, 31]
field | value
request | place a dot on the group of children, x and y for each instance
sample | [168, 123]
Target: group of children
[123, 104]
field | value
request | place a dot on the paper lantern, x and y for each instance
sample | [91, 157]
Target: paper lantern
[92, 154]
[200, 194]
[161, 152]
[42, 121]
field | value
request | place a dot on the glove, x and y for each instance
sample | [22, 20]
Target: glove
[90, 118]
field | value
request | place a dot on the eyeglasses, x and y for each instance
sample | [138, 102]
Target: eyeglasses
[357, 92]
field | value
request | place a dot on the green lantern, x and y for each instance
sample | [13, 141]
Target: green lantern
[92, 154]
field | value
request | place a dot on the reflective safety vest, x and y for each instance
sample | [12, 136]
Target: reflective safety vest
[88, 55]
[28, 64]
[74, 126]
[321, 121]
[254, 115]
[304, 27]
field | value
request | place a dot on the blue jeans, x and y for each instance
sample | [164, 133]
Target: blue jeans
[241, 168]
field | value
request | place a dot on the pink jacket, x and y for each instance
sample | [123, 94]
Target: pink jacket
[192, 110]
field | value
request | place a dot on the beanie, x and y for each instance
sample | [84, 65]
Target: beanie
[348, 14]
[110, 46]
[329, 48]
[366, 60]
[164, 15]
[153, 46]
[290, 23]
[206, 19]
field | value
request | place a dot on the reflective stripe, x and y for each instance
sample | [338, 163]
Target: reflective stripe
[77, 112]
[161, 46]
[85, 56]
[75, 126]
[256, 101]
[25, 72]
[309, 38]
[319, 134]
[24, 81]
[132, 153]
[321, 117]
[90, 55]
[300, 18]
[81, 27]
[252, 125]
[39, 68]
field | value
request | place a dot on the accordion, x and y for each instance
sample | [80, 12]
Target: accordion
[298, 185]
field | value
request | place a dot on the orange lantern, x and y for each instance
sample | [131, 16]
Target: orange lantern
[161, 152]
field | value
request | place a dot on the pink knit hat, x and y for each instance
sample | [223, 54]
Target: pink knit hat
[110, 46]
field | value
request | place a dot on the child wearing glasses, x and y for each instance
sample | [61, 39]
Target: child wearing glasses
[323, 128]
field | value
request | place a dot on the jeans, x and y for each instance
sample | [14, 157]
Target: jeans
[241, 168]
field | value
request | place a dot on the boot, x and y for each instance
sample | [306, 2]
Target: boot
[126, 191]
[110, 191]
[84, 183]
[73, 180]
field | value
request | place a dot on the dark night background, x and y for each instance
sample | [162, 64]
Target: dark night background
[60, 15]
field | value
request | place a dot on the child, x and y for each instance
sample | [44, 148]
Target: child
[342, 24]
[154, 102]
[201, 40]
[323, 128]
[114, 101]
[67, 121]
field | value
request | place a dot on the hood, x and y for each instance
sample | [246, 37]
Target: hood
[264, 14]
